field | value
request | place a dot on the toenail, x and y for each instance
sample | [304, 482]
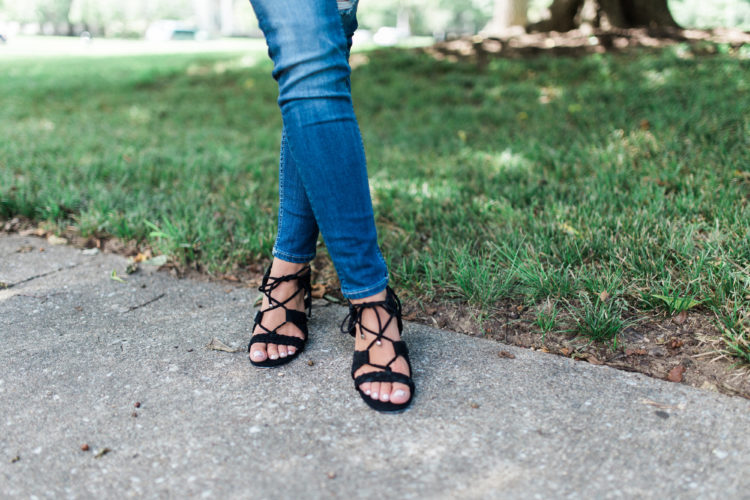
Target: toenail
[282, 354]
[399, 393]
[274, 356]
[258, 354]
[384, 397]
[374, 395]
[367, 392]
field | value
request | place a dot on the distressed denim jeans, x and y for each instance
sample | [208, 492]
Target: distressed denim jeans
[323, 183]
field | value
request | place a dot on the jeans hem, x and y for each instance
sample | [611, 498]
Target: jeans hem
[290, 257]
[365, 292]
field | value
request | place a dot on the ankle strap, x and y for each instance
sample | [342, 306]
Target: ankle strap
[270, 283]
[392, 306]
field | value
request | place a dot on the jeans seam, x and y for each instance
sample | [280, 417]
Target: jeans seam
[281, 192]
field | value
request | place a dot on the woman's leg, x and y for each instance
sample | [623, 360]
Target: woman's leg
[309, 49]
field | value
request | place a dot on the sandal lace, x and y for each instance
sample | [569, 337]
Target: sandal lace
[392, 306]
[271, 283]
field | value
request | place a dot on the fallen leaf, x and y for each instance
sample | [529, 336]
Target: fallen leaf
[475, 405]
[603, 295]
[218, 345]
[56, 240]
[594, 360]
[231, 277]
[663, 406]
[140, 257]
[157, 261]
[675, 374]
[102, 452]
[680, 318]
[318, 290]
[506, 354]
[544, 349]
[25, 249]
[708, 386]
[37, 231]
[675, 343]
[587, 356]
[114, 277]
[635, 352]
[331, 298]
[566, 351]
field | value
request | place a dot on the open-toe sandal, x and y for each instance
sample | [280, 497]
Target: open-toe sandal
[297, 318]
[392, 307]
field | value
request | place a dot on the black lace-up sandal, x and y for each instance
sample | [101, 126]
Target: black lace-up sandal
[297, 318]
[392, 306]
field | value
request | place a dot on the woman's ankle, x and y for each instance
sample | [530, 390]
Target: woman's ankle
[378, 297]
[281, 267]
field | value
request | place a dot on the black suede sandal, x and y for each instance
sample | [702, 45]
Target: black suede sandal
[297, 318]
[392, 306]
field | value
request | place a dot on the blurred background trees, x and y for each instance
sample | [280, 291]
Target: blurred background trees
[438, 18]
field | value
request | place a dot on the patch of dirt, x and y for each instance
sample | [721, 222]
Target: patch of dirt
[583, 41]
[686, 348]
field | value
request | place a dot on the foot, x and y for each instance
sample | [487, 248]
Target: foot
[373, 319]
[277, 316]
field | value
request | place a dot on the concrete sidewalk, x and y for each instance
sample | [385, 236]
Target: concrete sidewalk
[79, 349]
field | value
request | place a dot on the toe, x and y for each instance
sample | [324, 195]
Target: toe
[291, 350]
[385, 391]
[282, 351]
[400, 394]
[375, 390]
[366, 388]
[258, 352]
[273, 352]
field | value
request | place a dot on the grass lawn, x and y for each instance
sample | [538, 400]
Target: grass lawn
[598, 188]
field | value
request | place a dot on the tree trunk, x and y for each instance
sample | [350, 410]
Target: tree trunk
[562, 16]
[616, 13]
[649, 13]
[507, 13]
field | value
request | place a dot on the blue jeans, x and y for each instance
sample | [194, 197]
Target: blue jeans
[323, 182]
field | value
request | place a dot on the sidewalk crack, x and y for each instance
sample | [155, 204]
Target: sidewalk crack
[5, 285]
[133, 308]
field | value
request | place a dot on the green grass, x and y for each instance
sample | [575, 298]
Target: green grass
[533, 179]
